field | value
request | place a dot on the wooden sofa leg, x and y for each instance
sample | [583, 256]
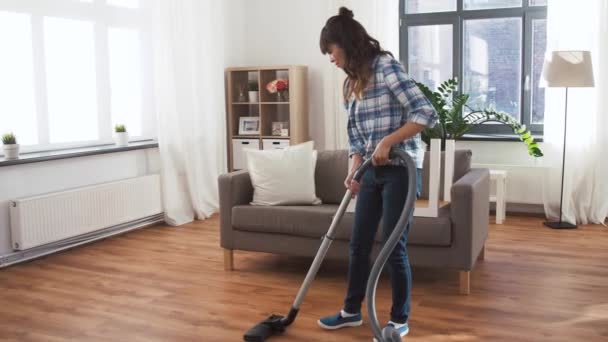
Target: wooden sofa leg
[482, 254]
[228, 259]
[465, 282]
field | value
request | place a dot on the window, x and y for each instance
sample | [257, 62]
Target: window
[492, 57]
[124, 74]
[430, 59]
[70, 80]
[425, 6]
[17, 103]
[489, 4]
[124, 3]
[71, 70]
[495, 48]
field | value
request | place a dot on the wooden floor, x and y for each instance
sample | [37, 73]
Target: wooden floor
[168, 284]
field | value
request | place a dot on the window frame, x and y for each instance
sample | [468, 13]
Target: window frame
[103, 16]
[457, 18]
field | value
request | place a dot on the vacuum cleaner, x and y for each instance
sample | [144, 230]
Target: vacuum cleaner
[276, 324]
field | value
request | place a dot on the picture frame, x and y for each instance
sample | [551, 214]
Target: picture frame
[278, 127]
[249, 125]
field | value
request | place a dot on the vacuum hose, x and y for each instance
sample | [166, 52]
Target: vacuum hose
[389, 334]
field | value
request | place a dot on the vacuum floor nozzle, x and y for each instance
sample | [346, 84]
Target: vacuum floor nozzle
[272, 325]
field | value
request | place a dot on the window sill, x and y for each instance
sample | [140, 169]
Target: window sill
[36, 157]
[496, 137]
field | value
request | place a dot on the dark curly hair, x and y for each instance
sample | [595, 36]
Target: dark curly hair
[360, 49]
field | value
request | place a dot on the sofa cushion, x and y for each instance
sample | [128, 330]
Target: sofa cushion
[313, 222]
[429, 231]
[331, 170]
[307, 221]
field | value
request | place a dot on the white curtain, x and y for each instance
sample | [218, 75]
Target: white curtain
[189, 82]
[578, 25]
[381, 20]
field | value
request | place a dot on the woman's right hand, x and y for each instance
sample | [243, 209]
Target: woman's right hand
[349, 183]
[352, 184]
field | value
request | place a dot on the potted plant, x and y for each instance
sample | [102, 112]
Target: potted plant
[121, 136]
[253, 91]
[11, 148]
[454, 122]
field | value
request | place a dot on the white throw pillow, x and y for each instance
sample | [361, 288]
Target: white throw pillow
[283, 177]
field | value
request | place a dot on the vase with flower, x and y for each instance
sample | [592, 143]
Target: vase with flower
[281, 88]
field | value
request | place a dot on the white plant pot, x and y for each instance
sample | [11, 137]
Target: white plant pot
[253, 96]
[11, 151]
[121, 139]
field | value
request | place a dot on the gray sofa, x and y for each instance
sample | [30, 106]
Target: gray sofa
[453, 240]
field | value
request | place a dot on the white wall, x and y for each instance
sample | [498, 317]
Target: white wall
[525, 174]
[234, 33]
[287, 32]
[55, 175]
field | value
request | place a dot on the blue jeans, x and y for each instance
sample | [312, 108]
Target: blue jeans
[382, 193]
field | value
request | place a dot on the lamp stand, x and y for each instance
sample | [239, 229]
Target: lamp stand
[562, 224]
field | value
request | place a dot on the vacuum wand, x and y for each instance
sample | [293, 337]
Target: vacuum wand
[276, 324]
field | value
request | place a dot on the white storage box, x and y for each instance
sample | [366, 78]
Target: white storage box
[275, 144]
[239, 160]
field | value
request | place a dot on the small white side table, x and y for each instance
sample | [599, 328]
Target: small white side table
[500, 177]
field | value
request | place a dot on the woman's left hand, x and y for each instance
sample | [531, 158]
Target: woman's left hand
[380, 155]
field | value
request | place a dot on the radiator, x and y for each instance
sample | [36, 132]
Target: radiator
[43, 219]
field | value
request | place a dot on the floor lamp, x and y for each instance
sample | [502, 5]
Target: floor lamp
[566, 69]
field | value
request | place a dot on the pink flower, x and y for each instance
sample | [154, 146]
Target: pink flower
[277, 85]
[272, 87]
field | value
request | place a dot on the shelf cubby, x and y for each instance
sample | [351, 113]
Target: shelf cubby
[267, 76]
[239, 87]
[239, 111]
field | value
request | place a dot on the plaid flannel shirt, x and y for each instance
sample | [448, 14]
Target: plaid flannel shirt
[392, 100]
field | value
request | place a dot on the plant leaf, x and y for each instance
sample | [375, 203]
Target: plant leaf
[453, 123]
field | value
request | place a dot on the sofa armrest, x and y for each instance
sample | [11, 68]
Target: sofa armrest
[470, 214]
[234, 189]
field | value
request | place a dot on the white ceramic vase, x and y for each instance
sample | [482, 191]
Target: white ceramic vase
[11, 151]
[121, 139]
[253, 97]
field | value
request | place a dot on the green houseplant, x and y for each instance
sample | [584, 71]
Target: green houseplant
[253, 91]
[121, 136]
[454, 122]
[11, 148]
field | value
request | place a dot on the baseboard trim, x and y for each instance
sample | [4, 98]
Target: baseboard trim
[40, 251]
[522, 209]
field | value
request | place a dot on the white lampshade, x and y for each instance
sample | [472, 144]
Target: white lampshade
[568, 69]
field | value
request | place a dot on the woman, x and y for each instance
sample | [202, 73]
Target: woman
[385, 109]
